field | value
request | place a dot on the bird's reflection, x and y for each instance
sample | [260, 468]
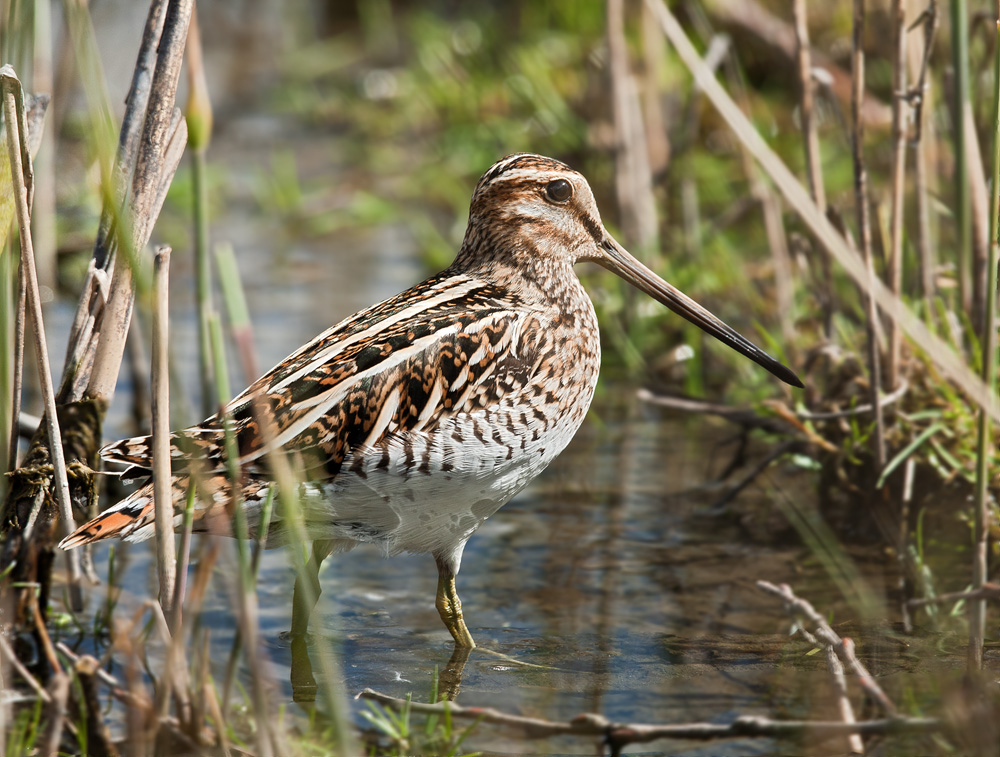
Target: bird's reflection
[303, 681]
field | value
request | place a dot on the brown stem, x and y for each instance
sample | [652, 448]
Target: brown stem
[864, 221]
[899, 110]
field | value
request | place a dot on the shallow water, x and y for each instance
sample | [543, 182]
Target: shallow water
[612, 585]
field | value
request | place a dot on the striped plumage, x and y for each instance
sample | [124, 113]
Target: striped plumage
[414, 420]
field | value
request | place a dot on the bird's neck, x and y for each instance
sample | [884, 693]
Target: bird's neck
[516, 259]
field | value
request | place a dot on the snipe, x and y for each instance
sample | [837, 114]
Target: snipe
[413, 421]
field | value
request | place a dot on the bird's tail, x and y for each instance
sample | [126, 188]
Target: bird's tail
[132, 519]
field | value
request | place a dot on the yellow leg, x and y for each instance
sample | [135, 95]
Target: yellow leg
[449, 606]
[306, 593]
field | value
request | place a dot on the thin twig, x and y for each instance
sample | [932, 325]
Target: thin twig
[166, 559]
[986, 591]
[20, 164]
[822, 635]
[7, 656]
[854, 743]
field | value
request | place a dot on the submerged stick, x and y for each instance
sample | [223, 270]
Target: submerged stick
[822, 635]
[618, 735]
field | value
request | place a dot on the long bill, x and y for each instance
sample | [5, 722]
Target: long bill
[617, 260]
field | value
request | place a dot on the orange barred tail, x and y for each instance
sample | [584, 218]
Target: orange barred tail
[131, 519]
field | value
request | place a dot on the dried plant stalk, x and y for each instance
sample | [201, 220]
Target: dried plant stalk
[988, 336]
[864, 224]
[162, 481]
[899, 111]
[20, 164]
[810, 138]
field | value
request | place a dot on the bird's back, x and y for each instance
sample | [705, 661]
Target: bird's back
[407, 424]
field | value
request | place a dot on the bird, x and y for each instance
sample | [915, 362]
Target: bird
[411, 422]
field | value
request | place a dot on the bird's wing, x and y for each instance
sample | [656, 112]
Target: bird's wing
[447, 346]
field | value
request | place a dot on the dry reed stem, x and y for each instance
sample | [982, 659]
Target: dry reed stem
[814, 157]
[810, 137]
[98, 737]
[960, 107]
[18, 368]
[657, 139]
[162, 126]
[988, 340]
[920, 96]
[770, 206]
[166, 559]
[980, 212]
[900, 105]
[20, 165]
[95, 291]
[986, 591]
[43, 212]
[948, 362]
[633, 180]
[54, 714]
[864, 227]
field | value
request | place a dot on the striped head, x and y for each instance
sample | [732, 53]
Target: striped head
[532, 218]
[532, 214]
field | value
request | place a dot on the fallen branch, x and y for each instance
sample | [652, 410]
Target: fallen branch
[618, 735]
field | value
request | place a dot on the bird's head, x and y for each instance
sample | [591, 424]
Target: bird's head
[532, 218]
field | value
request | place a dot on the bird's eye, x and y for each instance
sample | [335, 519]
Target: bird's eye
[559, 190]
